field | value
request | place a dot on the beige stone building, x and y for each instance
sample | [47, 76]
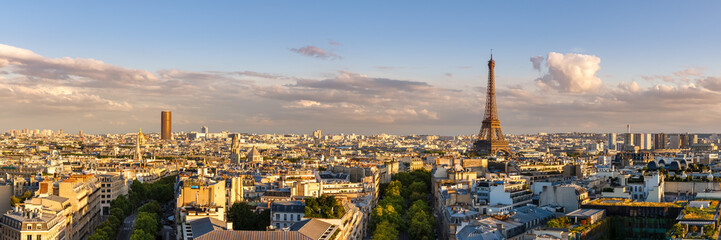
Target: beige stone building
[111, 186]
[202, 198]
[40, 218]
[83, 193]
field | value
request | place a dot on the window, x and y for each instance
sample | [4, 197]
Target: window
[30, 227]
[38, 237]
[277, 216]
[30, 237]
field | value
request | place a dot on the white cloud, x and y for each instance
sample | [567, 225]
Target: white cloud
[39, 92]
[571, 72]
[76, 71]
[631, 87]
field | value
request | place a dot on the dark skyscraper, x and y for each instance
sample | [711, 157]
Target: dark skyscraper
[659, 141]
[165, 126]
[490, 138]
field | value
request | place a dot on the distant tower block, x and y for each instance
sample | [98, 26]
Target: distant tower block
[165, 126]
[490, 138]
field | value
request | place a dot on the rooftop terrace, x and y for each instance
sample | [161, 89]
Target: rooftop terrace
[629, 203]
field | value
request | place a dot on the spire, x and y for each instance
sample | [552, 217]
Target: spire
[490, 138]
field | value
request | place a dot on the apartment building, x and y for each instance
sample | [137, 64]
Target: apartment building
[41, 218]
[83, 193]
[502, 189]
[111, 186]
[285, 214]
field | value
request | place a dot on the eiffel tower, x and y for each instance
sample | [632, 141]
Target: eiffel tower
[490, 138]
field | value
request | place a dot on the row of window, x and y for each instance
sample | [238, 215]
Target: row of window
[38, 237]
[37, 226]
[285, 217]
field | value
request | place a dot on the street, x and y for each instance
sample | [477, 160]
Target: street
[127, 229]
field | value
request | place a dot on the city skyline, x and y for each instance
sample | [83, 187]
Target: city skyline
[408, 70]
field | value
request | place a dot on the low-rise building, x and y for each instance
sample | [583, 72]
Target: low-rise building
[285, 214]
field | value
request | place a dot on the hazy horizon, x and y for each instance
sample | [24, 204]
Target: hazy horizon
[367, 68]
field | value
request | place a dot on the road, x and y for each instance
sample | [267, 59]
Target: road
[127, 229]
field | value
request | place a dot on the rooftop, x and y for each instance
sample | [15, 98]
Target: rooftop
[692, 212]
[584, 213]
[629, 203]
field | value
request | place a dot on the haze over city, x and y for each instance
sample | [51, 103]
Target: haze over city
[360, 120]
[365, 68]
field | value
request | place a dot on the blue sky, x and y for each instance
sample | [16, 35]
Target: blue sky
[443, 44]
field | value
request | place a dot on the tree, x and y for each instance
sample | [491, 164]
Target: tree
[420, 221]
[418, 206]
[138, 192]
[418, 190]
[424, 176]
[708, 231]
[387, 213]
[242, 216]
[26, 195]
[148, 222]
[122, 203]
[561, 222]
[325, 206]
[262, 220]
[415, 196]
[114, 222]
[100, 235]
[394, 188]
[117, 212]
[385, 231]
[419, 226]
[396, 201]
[151, 207]
[107, 229]
[404, 178]
[679, 230]
[14, 201]
[139, 234]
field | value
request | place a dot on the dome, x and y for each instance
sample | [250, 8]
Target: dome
[675, 166]
[683, 164]
[652, 165]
